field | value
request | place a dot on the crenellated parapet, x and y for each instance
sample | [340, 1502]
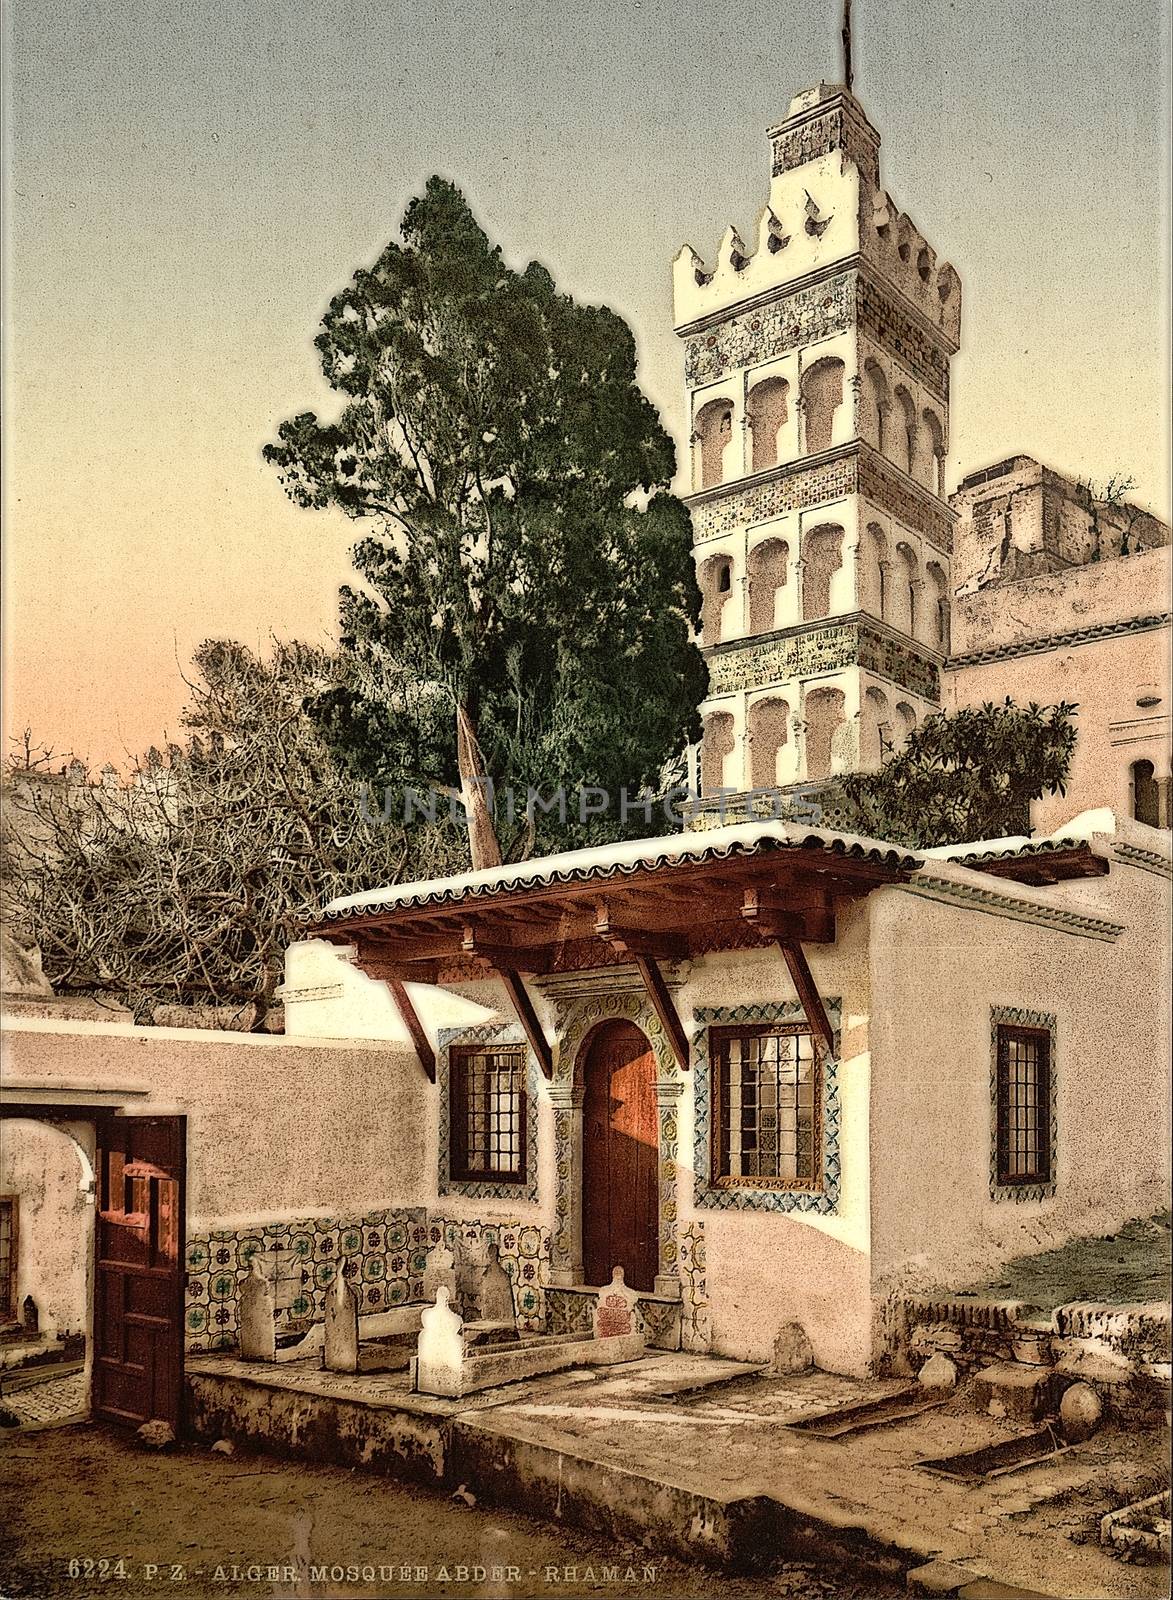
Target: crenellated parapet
[825, 209]
[890, 242]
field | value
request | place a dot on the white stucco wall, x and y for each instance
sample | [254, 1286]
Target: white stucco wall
[50, 1171]
[276, 1127]
[937, 970]
[765, 1268]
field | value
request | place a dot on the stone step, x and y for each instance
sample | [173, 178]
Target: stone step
[1015, 1390]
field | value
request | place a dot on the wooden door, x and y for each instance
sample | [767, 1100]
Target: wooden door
[138, 1293]
[620, 1158]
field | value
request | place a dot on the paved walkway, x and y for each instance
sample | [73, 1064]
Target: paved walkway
[666, 1423]
[51, 1400]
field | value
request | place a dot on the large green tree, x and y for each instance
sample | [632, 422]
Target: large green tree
[528, 586]
[965, 775]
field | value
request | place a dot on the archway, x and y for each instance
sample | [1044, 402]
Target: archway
[620, 1156]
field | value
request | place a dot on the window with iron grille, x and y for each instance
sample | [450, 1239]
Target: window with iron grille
[488, 1113]
[767, 1103]
[1023, 1106]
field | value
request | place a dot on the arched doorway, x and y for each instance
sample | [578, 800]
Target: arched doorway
[620, 1157]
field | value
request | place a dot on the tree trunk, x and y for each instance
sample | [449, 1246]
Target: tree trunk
[482, 833]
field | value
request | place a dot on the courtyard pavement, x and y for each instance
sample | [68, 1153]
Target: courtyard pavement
[707, 1432]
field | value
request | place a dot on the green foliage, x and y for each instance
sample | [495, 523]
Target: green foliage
[966, 775]
[530, 567]
[183, 884]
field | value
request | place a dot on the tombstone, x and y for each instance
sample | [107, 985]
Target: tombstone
[340, 1348]
[494, 1293]
[615, 1313]
[440, 1270]
[439, 1350]
[258, 1331]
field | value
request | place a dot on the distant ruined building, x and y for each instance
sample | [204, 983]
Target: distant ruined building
[845, 596]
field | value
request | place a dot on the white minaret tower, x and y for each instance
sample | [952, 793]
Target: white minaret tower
[817, 373]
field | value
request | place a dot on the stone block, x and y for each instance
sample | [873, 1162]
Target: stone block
[938, 1577]
[1033, 1349]
[1007, 1389]
[793, 1351]
[1080, 1412]
[938, 1372]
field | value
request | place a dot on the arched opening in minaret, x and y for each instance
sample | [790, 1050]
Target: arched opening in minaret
[904, 430]
[715, 578]
[877, 401]
[769, 725]
[902, 613]
[767, 578]
[933, 448]
[875, 731]
[767, 410]
[825, 723]
[822, 557]
[822, 395]
[714, 433]
[716, 746]
[937, 606]
[904, 718]
[874, 572]
[1149, 795]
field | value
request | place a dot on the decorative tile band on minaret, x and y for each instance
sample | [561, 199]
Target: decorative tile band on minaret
[817, 378]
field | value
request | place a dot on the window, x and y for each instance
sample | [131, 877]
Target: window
[488, 1138]
[1023, 1106]
[8, 1311]
[767, 1108]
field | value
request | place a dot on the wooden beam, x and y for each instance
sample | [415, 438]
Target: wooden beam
[808, 994]
[528, 1017]
[507, 957]
[650, 942]
[411, 1021]
[390, 969]
[664, 1007]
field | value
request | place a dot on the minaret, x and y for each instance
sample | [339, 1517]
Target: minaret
[817, 374]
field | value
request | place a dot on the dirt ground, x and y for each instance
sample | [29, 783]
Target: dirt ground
[192, 1523]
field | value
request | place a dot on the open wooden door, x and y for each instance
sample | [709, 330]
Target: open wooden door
[620, 1158]
[138, 1293]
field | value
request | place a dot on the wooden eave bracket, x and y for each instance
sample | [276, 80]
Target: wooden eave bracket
[803, 915]
[664, 1007]
[411, 1021]
[528, 1017]
[808, 994]
[647, 950]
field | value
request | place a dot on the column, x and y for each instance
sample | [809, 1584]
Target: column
[668, 1093]
[566, 1244]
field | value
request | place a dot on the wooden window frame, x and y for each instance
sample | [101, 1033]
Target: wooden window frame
[13, 1201]
[459, 1169]
[1041, 1037]
[719, 1036]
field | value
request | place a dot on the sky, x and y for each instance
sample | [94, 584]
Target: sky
[187, 184]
